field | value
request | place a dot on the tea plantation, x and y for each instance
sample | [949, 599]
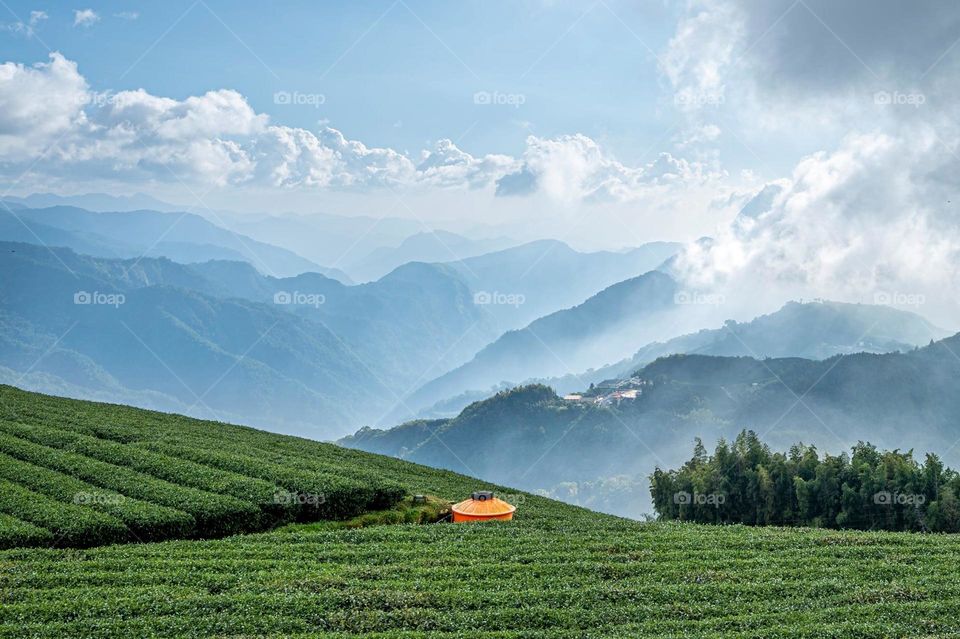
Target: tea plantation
[555, 571]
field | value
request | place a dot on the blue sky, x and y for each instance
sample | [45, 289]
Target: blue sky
[398, 74]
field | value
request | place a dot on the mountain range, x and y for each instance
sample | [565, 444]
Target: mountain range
[599, 454]
[813, 330]
[182, 237]
[433, 246]
[302, 354]
[618, 319]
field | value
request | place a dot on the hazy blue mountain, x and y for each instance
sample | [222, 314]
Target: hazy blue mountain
[580, 451]
[334, 240]
[416, 322]
[96, 202]
[183, 237]
[529, 281]
[813, 330]
[614, 321]
[304, 354]
[435, 246]
[23, 229]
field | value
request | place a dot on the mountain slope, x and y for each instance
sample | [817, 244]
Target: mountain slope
[182, 237]
[436, 246]
[534, 439]
[555, 571]
[812, 330]
[542, 277]
[612, 322]
[324, 238]
[157, 477]
[213, 340]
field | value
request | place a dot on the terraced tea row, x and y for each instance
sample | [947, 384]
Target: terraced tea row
[555, 571]
[597, 576]
[73, 481]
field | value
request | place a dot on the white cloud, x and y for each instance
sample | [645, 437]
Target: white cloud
[810, 67]
[55, 126]
[876, 215]
[85, 17]
[871, 214]
[699, 54]
[38, 104]
[27, 29]
[127, 15]
[446, 165]
[574, 168]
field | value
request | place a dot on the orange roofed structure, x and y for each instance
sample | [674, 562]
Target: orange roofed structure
[482, 506]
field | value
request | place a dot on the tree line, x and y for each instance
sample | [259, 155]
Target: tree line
[745, 482]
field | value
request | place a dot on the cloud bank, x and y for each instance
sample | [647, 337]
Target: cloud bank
[48, 111]
[875, 217]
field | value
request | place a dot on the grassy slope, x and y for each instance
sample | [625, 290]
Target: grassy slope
[555, 571]
[95, 474]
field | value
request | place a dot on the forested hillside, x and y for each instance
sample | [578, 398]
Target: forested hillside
[600, 454]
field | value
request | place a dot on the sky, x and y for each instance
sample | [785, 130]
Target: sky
[815, 141]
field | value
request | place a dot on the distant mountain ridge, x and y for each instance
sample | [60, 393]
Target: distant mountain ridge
[183, 237]
[304, 354]
[433, 246]
[577, 450]
[812, 330]
[546, 276]
[617, 319]
[96, 202]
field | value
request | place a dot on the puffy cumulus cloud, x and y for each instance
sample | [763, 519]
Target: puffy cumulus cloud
[359, 165]
[873, 221]
[574, 168]
[288, 157]
[214, 114]
[58, 130]
[447, 165]
[54, 126]
[37, 104]
[871, 217]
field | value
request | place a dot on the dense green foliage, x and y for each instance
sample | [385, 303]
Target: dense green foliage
[747, 483]
[80, 474]
[555, 571]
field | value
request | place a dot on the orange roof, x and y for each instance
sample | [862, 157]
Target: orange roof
[483, 504]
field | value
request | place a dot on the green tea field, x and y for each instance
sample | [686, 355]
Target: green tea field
[180, 533]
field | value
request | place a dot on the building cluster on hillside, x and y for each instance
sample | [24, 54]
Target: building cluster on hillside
[611, 391]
